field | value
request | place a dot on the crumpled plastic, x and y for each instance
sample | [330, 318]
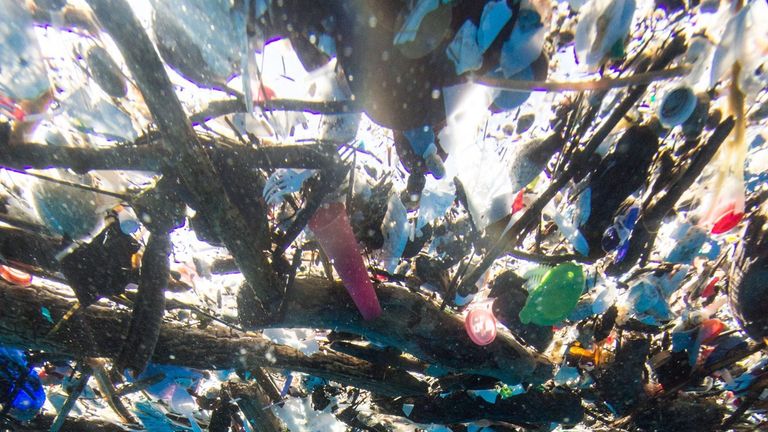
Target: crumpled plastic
[602, 23]
[23, 74]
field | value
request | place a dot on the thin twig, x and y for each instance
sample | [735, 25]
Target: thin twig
[563, 86]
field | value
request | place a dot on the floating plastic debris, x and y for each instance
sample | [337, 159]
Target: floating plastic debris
[480, 323]
[331, 227]
[602, 25]
[15, 276]
[20, 385]
[555, 296]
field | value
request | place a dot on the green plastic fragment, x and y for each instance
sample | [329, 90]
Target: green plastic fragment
[555, 297]
[617, 50]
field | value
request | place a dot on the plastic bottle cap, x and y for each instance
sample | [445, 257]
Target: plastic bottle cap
[677, 106]
[16, 277]
[481, 326]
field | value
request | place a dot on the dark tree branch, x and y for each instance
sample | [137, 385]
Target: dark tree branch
[41, 156]
[513, 236]
[232, 106]
[460, 407]
[150, 157]
[409, 323]
[644, 235]
[247, 241]
[149, 306]
[23, 325]
[71, 424]
[252, 400]
[388, 357]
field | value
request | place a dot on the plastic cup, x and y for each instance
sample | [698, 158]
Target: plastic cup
[332, 229]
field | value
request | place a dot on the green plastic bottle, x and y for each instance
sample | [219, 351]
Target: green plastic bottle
[555, 296]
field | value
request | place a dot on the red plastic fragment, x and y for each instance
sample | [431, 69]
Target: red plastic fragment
[518, 204]
[709, 291]
[334, 233]
[709, 330]
[727, 221]
[16, 277]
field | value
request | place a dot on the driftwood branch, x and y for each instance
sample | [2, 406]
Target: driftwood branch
[411, 324]
[247, 241]
[513, 236]
[150, 157]
[23, 325]
[71, 424]
[460, 407]
[233, 106]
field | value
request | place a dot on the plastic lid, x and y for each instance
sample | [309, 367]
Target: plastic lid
[481, 326]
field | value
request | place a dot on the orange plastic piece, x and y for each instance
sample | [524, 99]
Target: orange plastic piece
[582, 355]
[16, 277]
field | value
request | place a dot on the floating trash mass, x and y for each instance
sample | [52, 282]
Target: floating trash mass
[439, 215]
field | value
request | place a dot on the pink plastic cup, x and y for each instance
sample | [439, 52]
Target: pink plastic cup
[332, 229]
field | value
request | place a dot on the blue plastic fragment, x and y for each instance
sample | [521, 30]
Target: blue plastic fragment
[287, 385]
[174, 376]
[724, 346]
[463, 51]
[420, 139]
[494, 18]
[46, 314]
[153, 419]
[20, 382]
[690, 239]
[511, 99]
[524, 44]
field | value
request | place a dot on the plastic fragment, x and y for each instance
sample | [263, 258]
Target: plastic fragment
[106, 72]
[554, 298]
[571, 217]
[464, 51]
[46, 314]
[285, 181]
[97, 116]
[480, 324]
[690, 240]
[20, 379]
[334, 233]
[494, 17]
[412, 23]
[14, 276]
[23, 74]
[524, 44]
[489, 396]
[676, 106]
[396, 232]
[602, 23]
